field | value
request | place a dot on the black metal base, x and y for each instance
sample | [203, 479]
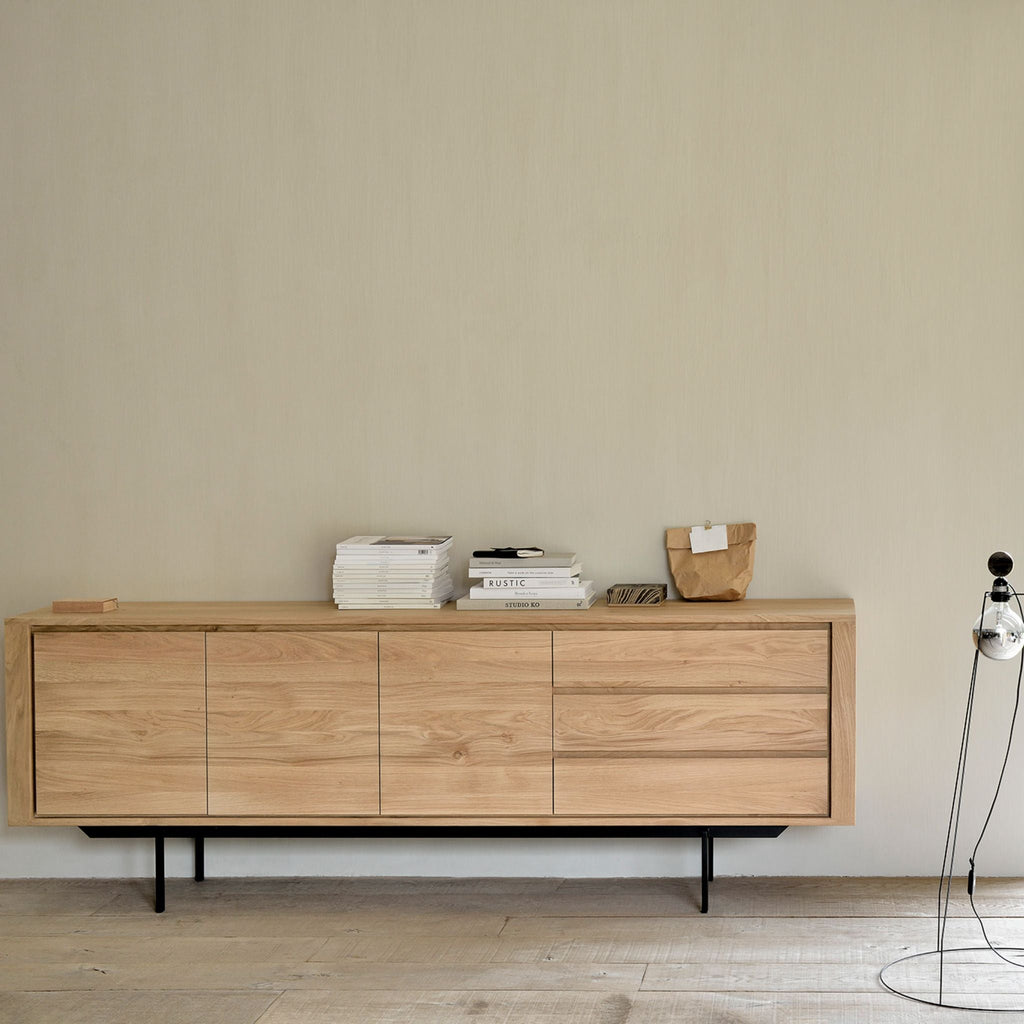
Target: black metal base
[706, 833]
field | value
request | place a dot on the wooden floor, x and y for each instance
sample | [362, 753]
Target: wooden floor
[514, 951]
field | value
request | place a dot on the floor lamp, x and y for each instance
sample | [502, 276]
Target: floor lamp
[956, 977]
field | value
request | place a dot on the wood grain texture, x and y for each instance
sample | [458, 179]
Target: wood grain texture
[389, 949]
[844, 722]
[467, 713]
[18, 716]
[435, 1006]
[292, 723]
[769, 1007]
[709, 787]
[121, 662]
[120, 724]
[421, 657]
[679, 722]
[242, 950]
[465, 724]
[88, 605]
[714, 658]
[431, 819]
[305, 616]
[179, 1007]
[108, 971]
[466, 749]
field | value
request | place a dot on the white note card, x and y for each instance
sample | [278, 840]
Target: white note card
[713, 538]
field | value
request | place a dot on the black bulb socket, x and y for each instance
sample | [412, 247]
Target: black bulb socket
[1000, 591]
[1000, 563]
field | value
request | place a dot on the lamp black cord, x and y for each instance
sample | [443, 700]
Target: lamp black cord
[953, 829]
[972, 876]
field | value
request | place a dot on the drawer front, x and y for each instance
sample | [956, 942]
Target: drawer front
[691, 786]
[293, 723]
[726, 658]
[120, 724]
[683, 722]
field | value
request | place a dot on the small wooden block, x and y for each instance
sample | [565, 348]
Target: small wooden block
[103, 604]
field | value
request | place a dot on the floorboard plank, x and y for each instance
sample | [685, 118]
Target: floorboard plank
[148, 1007]
[783, 897]
[441, 1007]
[214, 923]
[795, 1008]
[55, 895]
[761, 977]
[154, 949]
[348, 976]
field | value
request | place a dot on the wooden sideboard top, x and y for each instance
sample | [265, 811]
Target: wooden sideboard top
[323, 615]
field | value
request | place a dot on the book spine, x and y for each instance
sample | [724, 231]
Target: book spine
[373, 545]
[552, 572]
[370, 604]
[515, 564]
[354, 593]
[387, 577]
[479, 593]
[499, 583]
[510, 604]
[378, 558]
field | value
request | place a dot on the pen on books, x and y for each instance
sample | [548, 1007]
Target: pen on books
[509, 553]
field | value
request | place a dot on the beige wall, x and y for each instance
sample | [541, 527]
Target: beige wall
[564, 272]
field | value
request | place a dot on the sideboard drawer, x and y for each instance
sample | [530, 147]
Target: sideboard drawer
[675, 722]
[710, 787]
[727, 658]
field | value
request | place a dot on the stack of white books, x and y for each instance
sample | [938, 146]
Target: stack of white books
[545, 581]
[392, 572]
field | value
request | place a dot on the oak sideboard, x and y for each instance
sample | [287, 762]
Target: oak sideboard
[232, 718]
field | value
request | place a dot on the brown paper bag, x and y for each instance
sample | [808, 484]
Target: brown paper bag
[712, 575]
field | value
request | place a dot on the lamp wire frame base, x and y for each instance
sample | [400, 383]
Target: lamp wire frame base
[953, 966]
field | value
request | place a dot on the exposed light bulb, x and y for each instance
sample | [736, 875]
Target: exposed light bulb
[999, 632]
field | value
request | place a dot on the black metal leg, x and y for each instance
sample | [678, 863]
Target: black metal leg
[200, 859]
[711, 856]
[158, 901]
[705, 869]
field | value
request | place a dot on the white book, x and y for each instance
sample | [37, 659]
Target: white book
[404, 569]
[547, 560]
[524, 604]
[585, 589]
[495, 583]
[427, 587]
[370, 569]
[398, 602]
[398, 545]
[387, 577]
[350, 593]
[519, 571]
[390, 561]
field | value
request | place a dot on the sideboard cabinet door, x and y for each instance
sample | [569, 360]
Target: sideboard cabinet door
[293, 723]
[120, 724]
[465, 723]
